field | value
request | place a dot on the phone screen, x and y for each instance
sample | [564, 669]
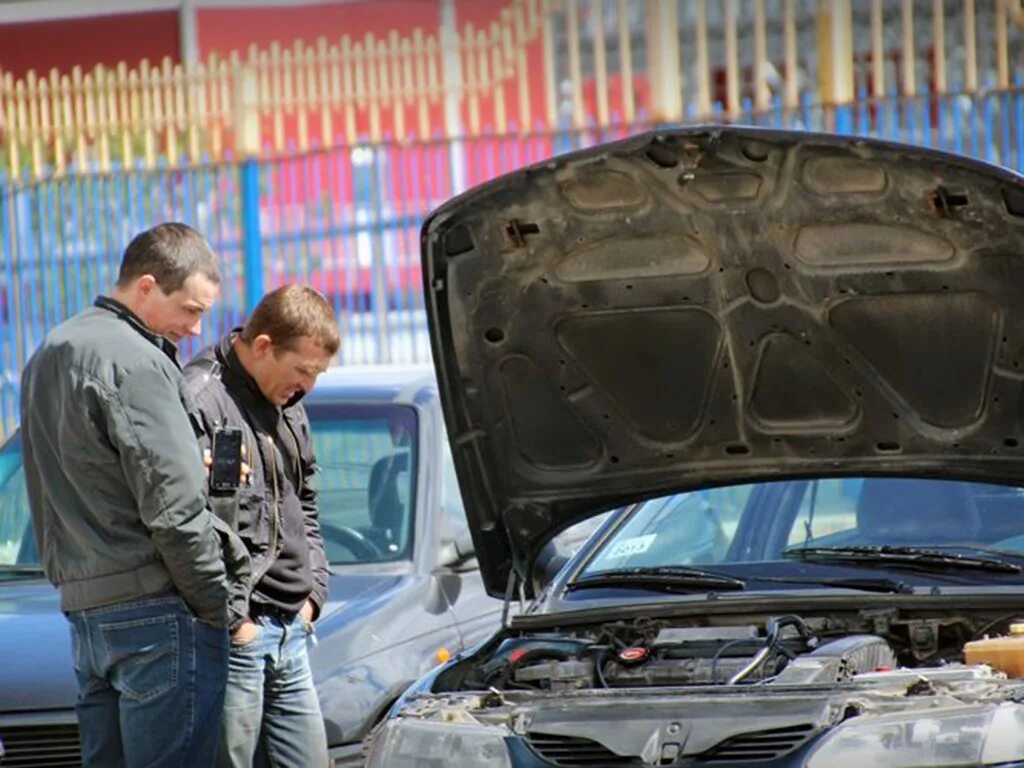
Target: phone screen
[227, 459]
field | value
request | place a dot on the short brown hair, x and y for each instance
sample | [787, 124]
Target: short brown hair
[171, 252]
[290, 313]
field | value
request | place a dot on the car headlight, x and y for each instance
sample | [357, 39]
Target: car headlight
[409, 743]
[960, 736]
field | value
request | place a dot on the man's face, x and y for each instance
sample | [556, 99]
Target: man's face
[281, 374]
[178, 314]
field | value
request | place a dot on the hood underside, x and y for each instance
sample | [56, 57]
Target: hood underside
[719, 305]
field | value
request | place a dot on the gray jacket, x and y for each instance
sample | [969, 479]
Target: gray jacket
[114, 475]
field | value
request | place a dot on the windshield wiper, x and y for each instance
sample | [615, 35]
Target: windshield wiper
[666, 578]
[866, 584]
[919, 558]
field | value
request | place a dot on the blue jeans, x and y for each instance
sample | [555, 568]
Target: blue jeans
[151, 680]
[271, 710]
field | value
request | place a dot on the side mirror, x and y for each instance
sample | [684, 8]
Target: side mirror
[456, 552]
[549, 562]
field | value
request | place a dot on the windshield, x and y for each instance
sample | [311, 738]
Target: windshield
[759, 530]
[366, 486]
[367, 480]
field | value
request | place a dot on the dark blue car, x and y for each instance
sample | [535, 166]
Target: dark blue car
[405, 590]
[793, 367]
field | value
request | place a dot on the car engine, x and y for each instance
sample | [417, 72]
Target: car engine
[657, 691]
[783, 650]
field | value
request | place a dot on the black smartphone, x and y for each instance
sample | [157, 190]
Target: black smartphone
[225, 474]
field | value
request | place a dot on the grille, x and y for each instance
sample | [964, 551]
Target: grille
[759, 745]
[40, 746]
[574, 752]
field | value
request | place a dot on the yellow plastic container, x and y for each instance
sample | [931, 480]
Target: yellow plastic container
[1005, 653]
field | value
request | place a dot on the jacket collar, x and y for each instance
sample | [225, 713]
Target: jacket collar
[123, 313]
[228, 357]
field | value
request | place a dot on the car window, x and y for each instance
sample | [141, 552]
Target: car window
[367, 480]
[576, 535]
[681, 529]
[366, 485]
[754, 523]
[829, 506]
[17, 547]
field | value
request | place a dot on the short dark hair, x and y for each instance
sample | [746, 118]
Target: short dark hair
[290, 313]
[171, 252]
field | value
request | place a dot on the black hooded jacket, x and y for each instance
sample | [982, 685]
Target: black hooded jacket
[276, 513]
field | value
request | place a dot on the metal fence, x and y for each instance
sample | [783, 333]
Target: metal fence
[346, 219]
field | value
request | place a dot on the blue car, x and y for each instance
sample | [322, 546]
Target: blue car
[405, 589]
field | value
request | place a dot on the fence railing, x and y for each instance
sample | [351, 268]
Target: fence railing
[541, 66]
[346, 219]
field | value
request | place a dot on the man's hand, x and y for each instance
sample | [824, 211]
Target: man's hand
[246, 632]
[307, 611]
[244, 475]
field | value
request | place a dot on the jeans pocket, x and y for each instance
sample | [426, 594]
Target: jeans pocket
[250, 643]
[76, 649]
[143, 655]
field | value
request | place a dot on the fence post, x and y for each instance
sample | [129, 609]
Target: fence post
[8, 358]
[451, 66]
[835, 53]
[663, 67]
[252, 255]
[380, 294]
[247, 142]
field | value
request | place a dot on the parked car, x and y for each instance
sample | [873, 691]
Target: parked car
[789, 362]
[405, 590]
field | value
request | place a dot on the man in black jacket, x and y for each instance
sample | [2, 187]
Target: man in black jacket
[253, 380]
[116, 489]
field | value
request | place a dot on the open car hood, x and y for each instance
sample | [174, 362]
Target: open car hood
[719, 305]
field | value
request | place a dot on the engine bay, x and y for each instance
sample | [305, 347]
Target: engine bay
[776, 650]
[739, 689]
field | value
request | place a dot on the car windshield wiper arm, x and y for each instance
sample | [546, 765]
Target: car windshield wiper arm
[921, 558]
[668, 578]
[866, 584]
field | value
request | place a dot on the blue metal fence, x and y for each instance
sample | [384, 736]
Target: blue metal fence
[346, 219]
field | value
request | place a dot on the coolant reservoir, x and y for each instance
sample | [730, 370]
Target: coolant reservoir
[1004, 653]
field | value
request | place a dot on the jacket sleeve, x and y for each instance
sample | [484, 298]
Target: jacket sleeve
[237, 560]
[164, 470]
[311, 518]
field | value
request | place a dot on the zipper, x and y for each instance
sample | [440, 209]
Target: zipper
[275, 529]
[275, 517]
[298, 455]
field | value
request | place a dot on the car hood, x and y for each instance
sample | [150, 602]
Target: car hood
[35, 644]
[716, 305]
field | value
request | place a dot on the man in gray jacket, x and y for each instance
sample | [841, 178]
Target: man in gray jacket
[116, 488]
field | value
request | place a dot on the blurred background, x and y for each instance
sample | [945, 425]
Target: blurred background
[309, 140]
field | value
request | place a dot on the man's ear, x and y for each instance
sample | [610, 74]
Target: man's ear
[145, 285]
[262, 344]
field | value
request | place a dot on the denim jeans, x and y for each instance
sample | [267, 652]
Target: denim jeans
[271, 710]
[151, 680]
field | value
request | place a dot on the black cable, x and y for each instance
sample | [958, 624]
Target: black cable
[599, 665]
[774, 627]
[722, 649]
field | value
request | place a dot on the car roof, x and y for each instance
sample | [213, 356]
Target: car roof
[376, 383]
